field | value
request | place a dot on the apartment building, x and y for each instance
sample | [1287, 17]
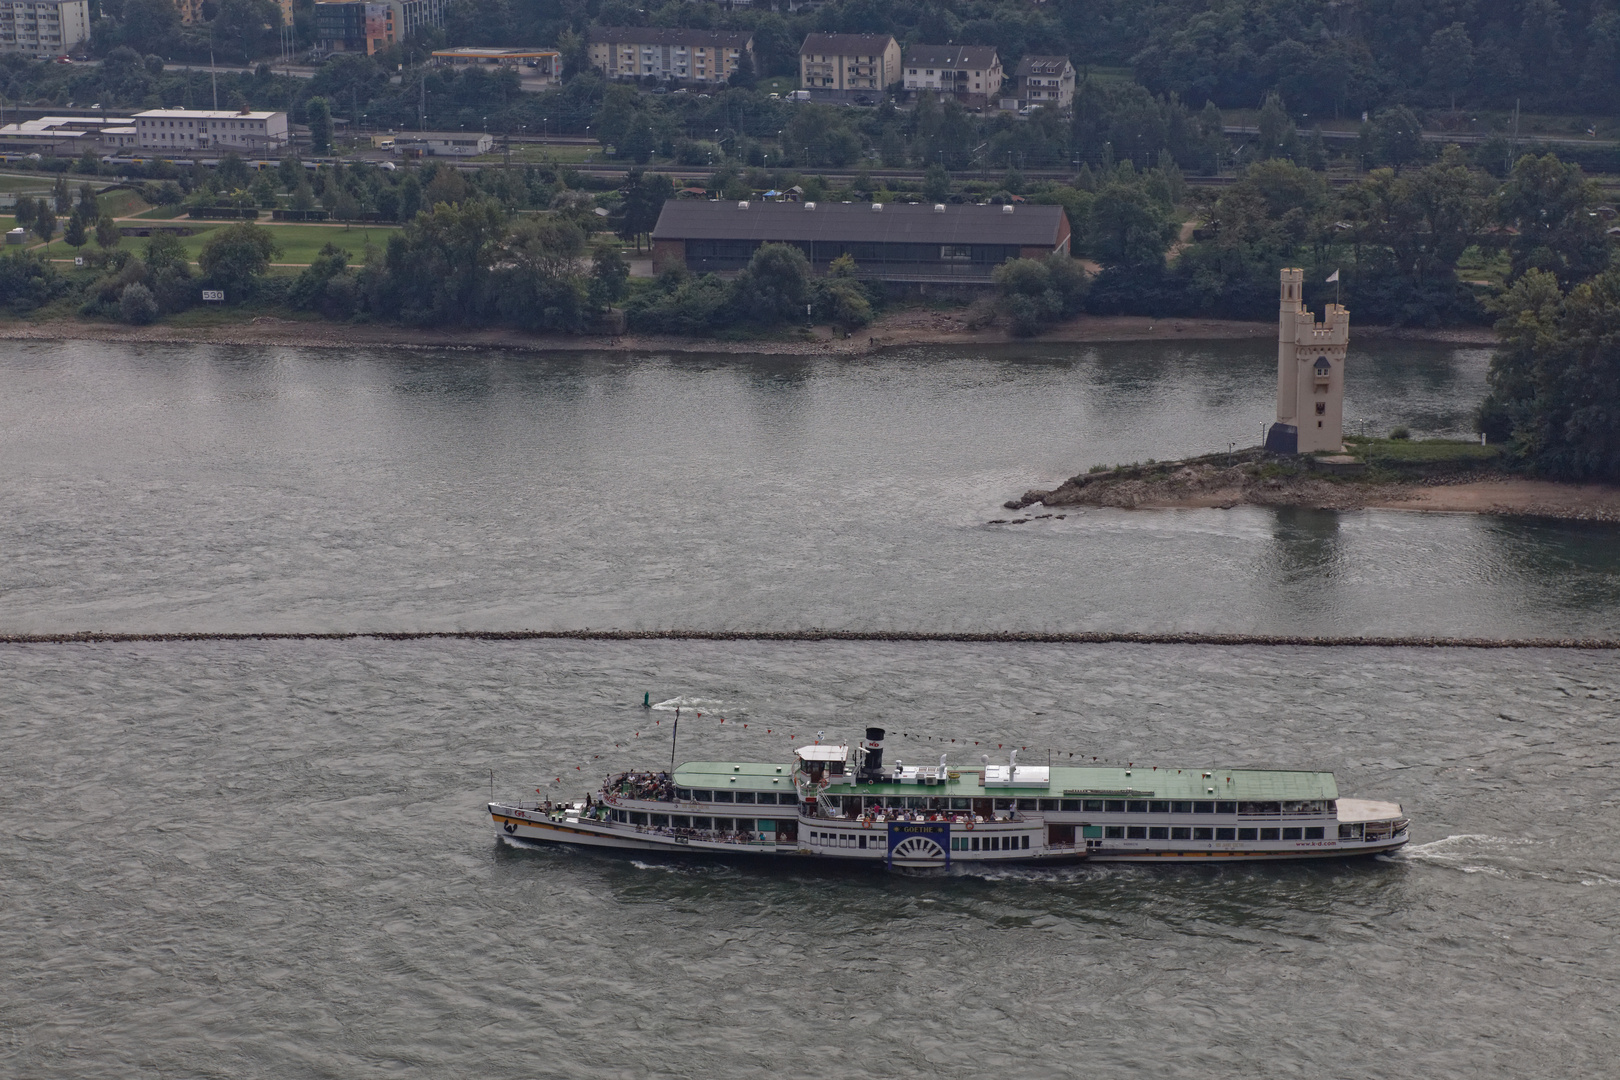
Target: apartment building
[848, 67]
[970, 73]
[695, 56]
[205, 130]
[44, 27]
[1044, 81]
[371, 27]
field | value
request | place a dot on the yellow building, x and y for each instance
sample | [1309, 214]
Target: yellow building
[841, 67]
[1310, 373]
[688, 56]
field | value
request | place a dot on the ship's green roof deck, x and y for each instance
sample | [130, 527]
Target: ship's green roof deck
[736, 775]
[1249, 785]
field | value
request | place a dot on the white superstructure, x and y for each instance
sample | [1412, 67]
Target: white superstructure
[205, 129]
[831, 804]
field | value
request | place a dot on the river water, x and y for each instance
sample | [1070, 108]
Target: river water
[269, 859]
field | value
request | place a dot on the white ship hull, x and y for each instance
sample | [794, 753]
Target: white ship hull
[568, 828]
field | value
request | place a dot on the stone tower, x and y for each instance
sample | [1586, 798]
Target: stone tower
[1310, 374]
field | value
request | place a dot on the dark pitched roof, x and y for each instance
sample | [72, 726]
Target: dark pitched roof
[845, 44]
[1026, 226]
[950, 56]
[1041, 65]
[648, 35]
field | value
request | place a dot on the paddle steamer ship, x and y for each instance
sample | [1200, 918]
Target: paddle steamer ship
[830, 803]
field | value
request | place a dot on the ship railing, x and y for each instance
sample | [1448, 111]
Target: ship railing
[711, 836]
[618, 787]
[955, 817]
[537, 809]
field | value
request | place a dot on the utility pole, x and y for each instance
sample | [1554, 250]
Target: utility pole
[213, 75]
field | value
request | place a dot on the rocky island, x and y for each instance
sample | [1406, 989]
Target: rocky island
[1399, 474]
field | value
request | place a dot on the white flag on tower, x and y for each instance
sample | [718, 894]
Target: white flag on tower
[1334, 278]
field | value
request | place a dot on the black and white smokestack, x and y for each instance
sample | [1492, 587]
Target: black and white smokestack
[872, 747]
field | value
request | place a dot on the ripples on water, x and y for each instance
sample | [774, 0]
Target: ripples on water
[226, 489]
[271, 860]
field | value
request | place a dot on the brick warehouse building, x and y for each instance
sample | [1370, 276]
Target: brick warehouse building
[889, 242]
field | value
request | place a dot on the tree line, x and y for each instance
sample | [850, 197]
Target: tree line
[1417, 246]
[1330, 58]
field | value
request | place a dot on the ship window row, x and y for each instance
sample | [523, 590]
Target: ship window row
[1122, 806]
[990, 843]
[1175, 832]
[1169, 806]
[687, 821]
[832, 839]
[1071, 806]
[767, 798]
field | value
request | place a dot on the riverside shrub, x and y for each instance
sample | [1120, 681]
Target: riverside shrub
[1034, 293]
[1555, 377]
[137, 306]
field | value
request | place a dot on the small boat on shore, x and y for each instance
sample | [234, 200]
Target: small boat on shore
[834, 803]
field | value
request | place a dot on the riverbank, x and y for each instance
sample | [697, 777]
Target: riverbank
[1471, 483]
[912, 326]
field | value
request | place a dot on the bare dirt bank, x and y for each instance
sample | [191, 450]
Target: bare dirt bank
[1250, 478]
[898, 329]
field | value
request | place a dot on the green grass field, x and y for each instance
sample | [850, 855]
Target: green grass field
[299, 244]
[34, 183]
[1476, 264]
[533, 154]
[1420, 451]
[121, 203]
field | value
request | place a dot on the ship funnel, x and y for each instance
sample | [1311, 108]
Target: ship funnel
[872, 763]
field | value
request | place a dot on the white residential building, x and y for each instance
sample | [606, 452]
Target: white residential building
[1044, 81]
[970, 73]
[43, 27]
[203, 130]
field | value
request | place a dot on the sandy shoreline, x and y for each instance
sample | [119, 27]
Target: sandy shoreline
[1205, 486]
[904, 328]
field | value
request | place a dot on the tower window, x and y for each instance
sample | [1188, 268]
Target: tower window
[1321, 408]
